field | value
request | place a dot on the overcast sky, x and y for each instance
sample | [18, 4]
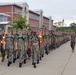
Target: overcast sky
[58, 9]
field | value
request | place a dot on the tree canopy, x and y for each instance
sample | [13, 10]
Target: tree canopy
[71, 28]
[20, 22]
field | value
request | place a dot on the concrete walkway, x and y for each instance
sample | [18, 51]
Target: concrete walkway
[59, 62]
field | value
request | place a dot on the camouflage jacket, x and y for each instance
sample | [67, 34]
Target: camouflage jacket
[9, 42]
[20, 43]
[35, 43]
[15, 37]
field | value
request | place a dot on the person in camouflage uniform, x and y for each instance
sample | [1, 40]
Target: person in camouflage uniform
[20, 47]
[41, 46]
[15, 37]
[35, 49]
[2, 43]
[9, 46]
[72, 41]
[47, 44]
[25, 35]
[30, 36]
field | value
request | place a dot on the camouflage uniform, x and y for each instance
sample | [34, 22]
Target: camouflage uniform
[47, 45]
[73, 41]
[41, 47]
[35, 50]
[20, 46]
[25, 36]
[9, 47]
[15, 37]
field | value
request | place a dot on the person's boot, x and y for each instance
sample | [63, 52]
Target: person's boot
[14, 59]
[9, 63]
[38, 61]
[24, 61]
[7, 57]
[2, 59]
[34, 65]
[18, 57]
[20, 64]
[42, 55]
[40, 58]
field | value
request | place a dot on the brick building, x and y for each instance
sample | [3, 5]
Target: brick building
[34, 18]
[4, 21]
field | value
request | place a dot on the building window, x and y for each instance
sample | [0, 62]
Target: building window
[17, 10]
[34, 16]
[5, 18]
[1, 18]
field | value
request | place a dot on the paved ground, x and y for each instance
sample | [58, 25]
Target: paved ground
[59, 62]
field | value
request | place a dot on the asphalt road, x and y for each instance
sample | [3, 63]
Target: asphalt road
[61, 61]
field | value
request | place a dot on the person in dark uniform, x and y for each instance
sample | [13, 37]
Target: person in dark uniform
[73, 41]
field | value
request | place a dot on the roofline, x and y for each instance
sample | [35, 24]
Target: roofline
[11, 4]
[34, 12]
[46, 17]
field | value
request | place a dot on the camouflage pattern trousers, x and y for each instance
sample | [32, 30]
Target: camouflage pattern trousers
[10, 54]
[21, 55]
[35, 55]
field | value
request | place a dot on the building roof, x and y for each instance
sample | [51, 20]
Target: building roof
[46, 17]
[4, 14]
[5, 4]
[17, 4]
[34, 12]
[4, 23]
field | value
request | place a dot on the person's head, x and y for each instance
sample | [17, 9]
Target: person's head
[20, 31]
[24, 31]
[34, 33]
[14, 30]
[9, 31]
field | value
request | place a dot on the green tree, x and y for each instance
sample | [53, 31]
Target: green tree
[20, 22]
[73, 26]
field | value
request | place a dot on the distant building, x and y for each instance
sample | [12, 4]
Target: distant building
[34, 18]
[4, 21]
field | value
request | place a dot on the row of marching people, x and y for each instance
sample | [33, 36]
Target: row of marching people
[24, 44]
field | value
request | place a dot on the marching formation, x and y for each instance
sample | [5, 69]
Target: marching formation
[25, 44]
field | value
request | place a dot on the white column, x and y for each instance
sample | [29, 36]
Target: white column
[50, 24]
[25, 13]
[23, 10]
[41, 19]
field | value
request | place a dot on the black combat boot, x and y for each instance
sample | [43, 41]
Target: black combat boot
[20, 64]
[3, 59]
[9, 63]
[34, 65]
[42, 55]
[38, 61]
[18, 57]
[7, 57]
[24, 61]
[14, 59]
